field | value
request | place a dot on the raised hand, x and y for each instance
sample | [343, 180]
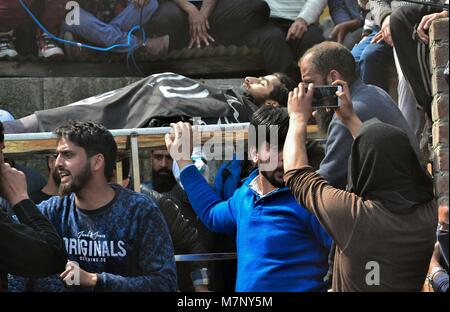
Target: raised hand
[300, 102]
[179, 143]
[13, 184]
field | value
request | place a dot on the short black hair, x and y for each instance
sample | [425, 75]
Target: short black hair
[94, 139]
[280, 93]
[270, 116]
[328, 56]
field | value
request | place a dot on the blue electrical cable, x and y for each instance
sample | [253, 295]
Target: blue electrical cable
[82, 45]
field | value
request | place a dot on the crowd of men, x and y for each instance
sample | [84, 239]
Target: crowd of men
[349, 223]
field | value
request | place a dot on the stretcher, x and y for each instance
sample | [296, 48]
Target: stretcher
[130, 141]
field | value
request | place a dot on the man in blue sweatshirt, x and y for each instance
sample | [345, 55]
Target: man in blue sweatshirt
[280, 245]
[116, 239]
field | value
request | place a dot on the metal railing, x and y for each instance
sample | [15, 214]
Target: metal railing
[132, 140]
[206, 257]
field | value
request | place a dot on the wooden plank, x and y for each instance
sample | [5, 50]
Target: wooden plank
[15, 147]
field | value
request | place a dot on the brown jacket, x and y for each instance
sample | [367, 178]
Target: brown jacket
[377, 250]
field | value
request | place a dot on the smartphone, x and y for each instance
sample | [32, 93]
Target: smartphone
[325, 96]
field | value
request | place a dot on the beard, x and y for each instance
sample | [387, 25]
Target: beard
[271, 177]
[163, 180]
[77, 183]
[56, 177]
[244, 92]
[323, 119]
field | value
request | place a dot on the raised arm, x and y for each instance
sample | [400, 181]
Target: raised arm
[32, 248]
[336, 209]
[216, 215]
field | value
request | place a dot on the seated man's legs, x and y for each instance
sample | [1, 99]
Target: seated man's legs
[271, 40]
[170, 20]
[358, 49]
[352, 38]
[100, 33]
[413, 55]
[311, 37]
[53, 15]
[281, 55]
[231, 19]
[407, 103]
[12, 15]
[52, 19]
[374, 60]
[131, 15]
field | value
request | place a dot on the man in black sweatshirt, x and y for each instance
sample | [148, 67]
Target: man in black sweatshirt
[31, 248]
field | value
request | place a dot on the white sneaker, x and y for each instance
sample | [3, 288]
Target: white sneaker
[7, 49]
[48, 48]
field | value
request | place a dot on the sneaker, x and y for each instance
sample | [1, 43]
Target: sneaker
[7, 49]
[48, 48]
[157, 47]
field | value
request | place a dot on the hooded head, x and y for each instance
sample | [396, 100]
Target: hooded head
[384, 167]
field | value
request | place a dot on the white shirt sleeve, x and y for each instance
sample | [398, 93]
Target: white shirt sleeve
[312, 10]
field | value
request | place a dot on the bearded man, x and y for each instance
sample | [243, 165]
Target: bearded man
[116, 239]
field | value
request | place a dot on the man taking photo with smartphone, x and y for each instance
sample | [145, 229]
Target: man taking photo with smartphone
[324, 64]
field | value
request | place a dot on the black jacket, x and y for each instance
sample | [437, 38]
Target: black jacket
[31, 248]
[185, 237]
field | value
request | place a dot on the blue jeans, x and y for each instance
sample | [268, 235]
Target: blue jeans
[97, 32]
[343, 10]
[374, 61]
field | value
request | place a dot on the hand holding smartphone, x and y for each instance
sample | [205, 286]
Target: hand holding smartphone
[325, 97]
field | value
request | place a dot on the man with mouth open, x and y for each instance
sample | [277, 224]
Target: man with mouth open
[116, 239]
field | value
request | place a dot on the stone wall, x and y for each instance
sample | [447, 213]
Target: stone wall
[439, 57]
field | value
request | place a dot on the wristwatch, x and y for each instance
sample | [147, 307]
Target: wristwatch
[433, 272]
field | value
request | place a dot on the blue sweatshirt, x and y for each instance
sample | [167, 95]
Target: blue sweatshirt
[126, 242]
[280, 245]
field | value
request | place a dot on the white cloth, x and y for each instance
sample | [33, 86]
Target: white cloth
[309, 10]
[199, 160]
